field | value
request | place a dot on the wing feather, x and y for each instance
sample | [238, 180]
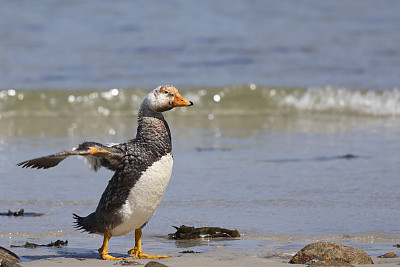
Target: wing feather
[47, 161]
[95, 154]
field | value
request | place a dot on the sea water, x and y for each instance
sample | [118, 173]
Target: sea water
[102, 44]
[284, 175]
[292, 139]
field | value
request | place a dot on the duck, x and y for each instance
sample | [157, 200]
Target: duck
[142, 169]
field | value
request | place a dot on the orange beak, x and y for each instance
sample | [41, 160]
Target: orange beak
[179, 101]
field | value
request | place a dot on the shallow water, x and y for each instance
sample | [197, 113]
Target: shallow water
[282, 178]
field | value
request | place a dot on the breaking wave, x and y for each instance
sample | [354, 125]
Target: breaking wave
[231, 100]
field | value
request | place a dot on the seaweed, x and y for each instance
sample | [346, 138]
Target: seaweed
[57, 244]
[189, 251]
[188, 232]
[19, 213]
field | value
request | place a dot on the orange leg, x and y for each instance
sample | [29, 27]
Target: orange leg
[137, 250]
[104, 251]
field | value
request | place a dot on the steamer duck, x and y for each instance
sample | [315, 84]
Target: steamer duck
[142, 167]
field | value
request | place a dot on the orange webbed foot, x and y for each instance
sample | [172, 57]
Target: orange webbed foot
[140, 255]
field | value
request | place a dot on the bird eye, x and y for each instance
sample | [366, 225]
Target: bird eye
[166, 92]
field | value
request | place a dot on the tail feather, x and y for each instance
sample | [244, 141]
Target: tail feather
[86, 224]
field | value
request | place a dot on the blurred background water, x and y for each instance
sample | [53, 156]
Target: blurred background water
[293, 137]
[103, 44]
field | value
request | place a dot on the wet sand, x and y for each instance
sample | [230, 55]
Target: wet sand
[218, 257]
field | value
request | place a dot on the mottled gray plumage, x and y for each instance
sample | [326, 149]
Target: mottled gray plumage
[153, 141]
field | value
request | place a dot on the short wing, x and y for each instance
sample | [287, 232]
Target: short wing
[96, 154]
[46, 161]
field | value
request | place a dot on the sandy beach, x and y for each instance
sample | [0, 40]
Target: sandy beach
[218, 257]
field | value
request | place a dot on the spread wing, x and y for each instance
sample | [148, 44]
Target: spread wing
[97, 155]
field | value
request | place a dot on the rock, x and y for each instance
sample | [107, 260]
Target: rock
[155, 264]
[7, 263]
[324, 262]
[388, 255]
[128, 263]
[8, 258]
[331, 251]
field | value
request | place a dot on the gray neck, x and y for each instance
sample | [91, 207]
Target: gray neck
[153, 131]
[145, 111]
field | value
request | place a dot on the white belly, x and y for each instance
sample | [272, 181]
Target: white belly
[145, 196]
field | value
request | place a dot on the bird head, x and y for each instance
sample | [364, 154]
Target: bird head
[165, 98]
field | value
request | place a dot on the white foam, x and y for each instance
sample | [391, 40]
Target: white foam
[344, 100]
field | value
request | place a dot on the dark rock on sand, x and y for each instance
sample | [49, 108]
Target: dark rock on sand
[6, 263]
[128, 263]
[331, 251]
[155, 264]
[8, 258]
[188, 232]
[388, 255]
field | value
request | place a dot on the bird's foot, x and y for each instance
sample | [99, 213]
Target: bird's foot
[106, 256]
[109, 257]
[146, 256]
[140, 255]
